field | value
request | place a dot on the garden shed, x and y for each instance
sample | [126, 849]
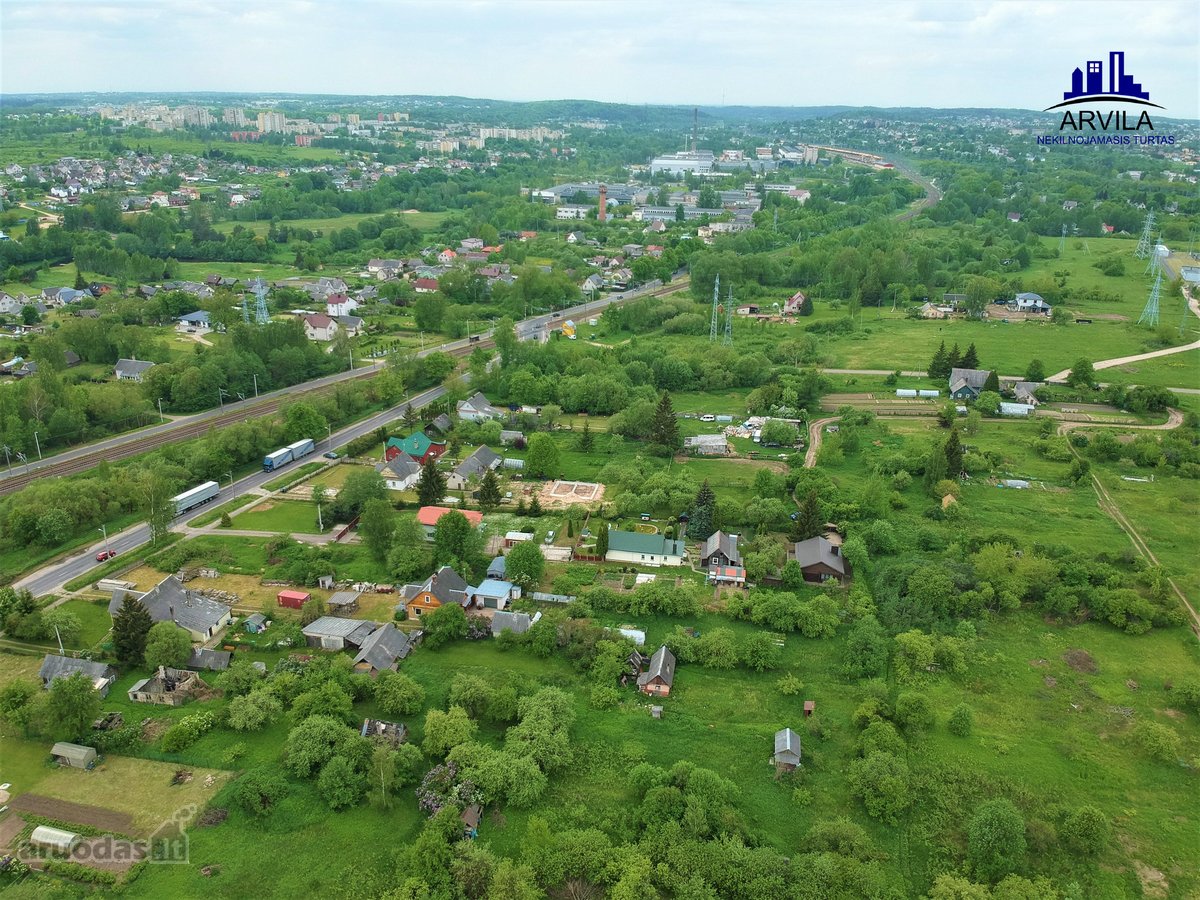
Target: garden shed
[74, 756]
[292, 599]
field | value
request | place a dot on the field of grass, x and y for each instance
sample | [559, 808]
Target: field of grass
[422, 221]
[283, 516]
[1177, 370]
[335, 476]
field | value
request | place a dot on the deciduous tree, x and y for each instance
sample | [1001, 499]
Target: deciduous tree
[167, 645]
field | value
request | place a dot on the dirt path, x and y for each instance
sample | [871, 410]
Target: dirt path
[1193, 305]
[1109, 506]
[815, 431]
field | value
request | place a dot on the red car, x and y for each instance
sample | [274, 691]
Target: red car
[105, 554]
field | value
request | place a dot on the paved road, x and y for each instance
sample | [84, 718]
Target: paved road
[51, 579]
[526, 329]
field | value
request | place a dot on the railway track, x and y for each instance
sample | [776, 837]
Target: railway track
[135, 447]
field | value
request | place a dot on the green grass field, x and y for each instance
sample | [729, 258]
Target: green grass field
[422, 221]
[283, 516]
[293, 475]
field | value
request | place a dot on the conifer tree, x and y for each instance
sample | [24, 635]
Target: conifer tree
[808, 523]
[489, 491]
[535, 506]
[992, 383]
[602, 540]
[970, 359]
[664, 429]
[431, 485]
[131, 625]
[701, 522]
[939, 366]
[954, 454]
[954, 359]
[586, 438]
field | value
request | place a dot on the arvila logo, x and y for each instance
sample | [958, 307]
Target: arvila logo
[1116, 122]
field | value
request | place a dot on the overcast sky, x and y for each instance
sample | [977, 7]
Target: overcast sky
[771, 52]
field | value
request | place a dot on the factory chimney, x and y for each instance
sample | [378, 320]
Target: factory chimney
[602, 212]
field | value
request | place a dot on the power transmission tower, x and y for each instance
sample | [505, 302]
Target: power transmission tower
[1154, 263]
[712, 329]
[261, 316]
[1149, 315]
[1145, 247]
[729, 318]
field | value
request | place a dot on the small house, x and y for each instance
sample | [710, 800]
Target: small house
[443, 586]
[255, 623]
[400, 473]
[470, 818]
[1029, 302]
[512, 538]
[167, 687]
[477, 408]
[203, 660]
[820, 560]
[643, 549]
[659, 676]
[787, 750]
[966, 384]
[720, 549]
[73, 756]
[429, 516]
[472, 468]
[517, 623]
[131, 369]
[392, 733]
[53, 666]
[497, 567]
[382, 650]
[418, 445]
[292, 599]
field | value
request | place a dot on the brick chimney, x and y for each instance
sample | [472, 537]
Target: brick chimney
[602, 212]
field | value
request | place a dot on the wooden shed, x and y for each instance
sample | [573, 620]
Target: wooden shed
[73, 756]
[292, 599]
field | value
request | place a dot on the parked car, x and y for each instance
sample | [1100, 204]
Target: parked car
[708, 418]
[105, 554]
[330, 455]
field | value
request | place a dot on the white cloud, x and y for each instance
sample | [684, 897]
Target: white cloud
[879, 53]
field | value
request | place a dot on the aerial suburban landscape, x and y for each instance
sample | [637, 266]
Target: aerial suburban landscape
[420, 497]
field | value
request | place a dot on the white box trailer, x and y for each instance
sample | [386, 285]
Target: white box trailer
[301, 449]
[202, 493]
[277, 459]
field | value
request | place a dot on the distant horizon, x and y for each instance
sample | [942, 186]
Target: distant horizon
[886, 54]
[294, 95]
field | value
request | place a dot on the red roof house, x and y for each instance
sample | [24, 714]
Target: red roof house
[425, 285]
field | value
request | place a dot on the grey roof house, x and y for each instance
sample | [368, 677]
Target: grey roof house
[965, 384]
[720, 549]
[787, 749]
[131, 369]
[382, 649]
[102, 676]
[659, 676]
[820, 560]
[336, 633]
[169, 600]
[210, 660]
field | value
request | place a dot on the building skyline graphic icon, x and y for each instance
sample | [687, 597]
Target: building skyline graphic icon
[1092, 83]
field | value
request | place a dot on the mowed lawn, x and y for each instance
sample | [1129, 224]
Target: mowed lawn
[283, 516]
[139, 787]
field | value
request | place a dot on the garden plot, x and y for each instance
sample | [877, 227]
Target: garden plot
[561, 494]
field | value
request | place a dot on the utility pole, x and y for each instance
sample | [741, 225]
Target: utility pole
[61, 651]
[329, 429]
[38, 444]
[221, 395]
[103, 529]
[254, 375]
[161, 417]
[229, 475]
[7, 458]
